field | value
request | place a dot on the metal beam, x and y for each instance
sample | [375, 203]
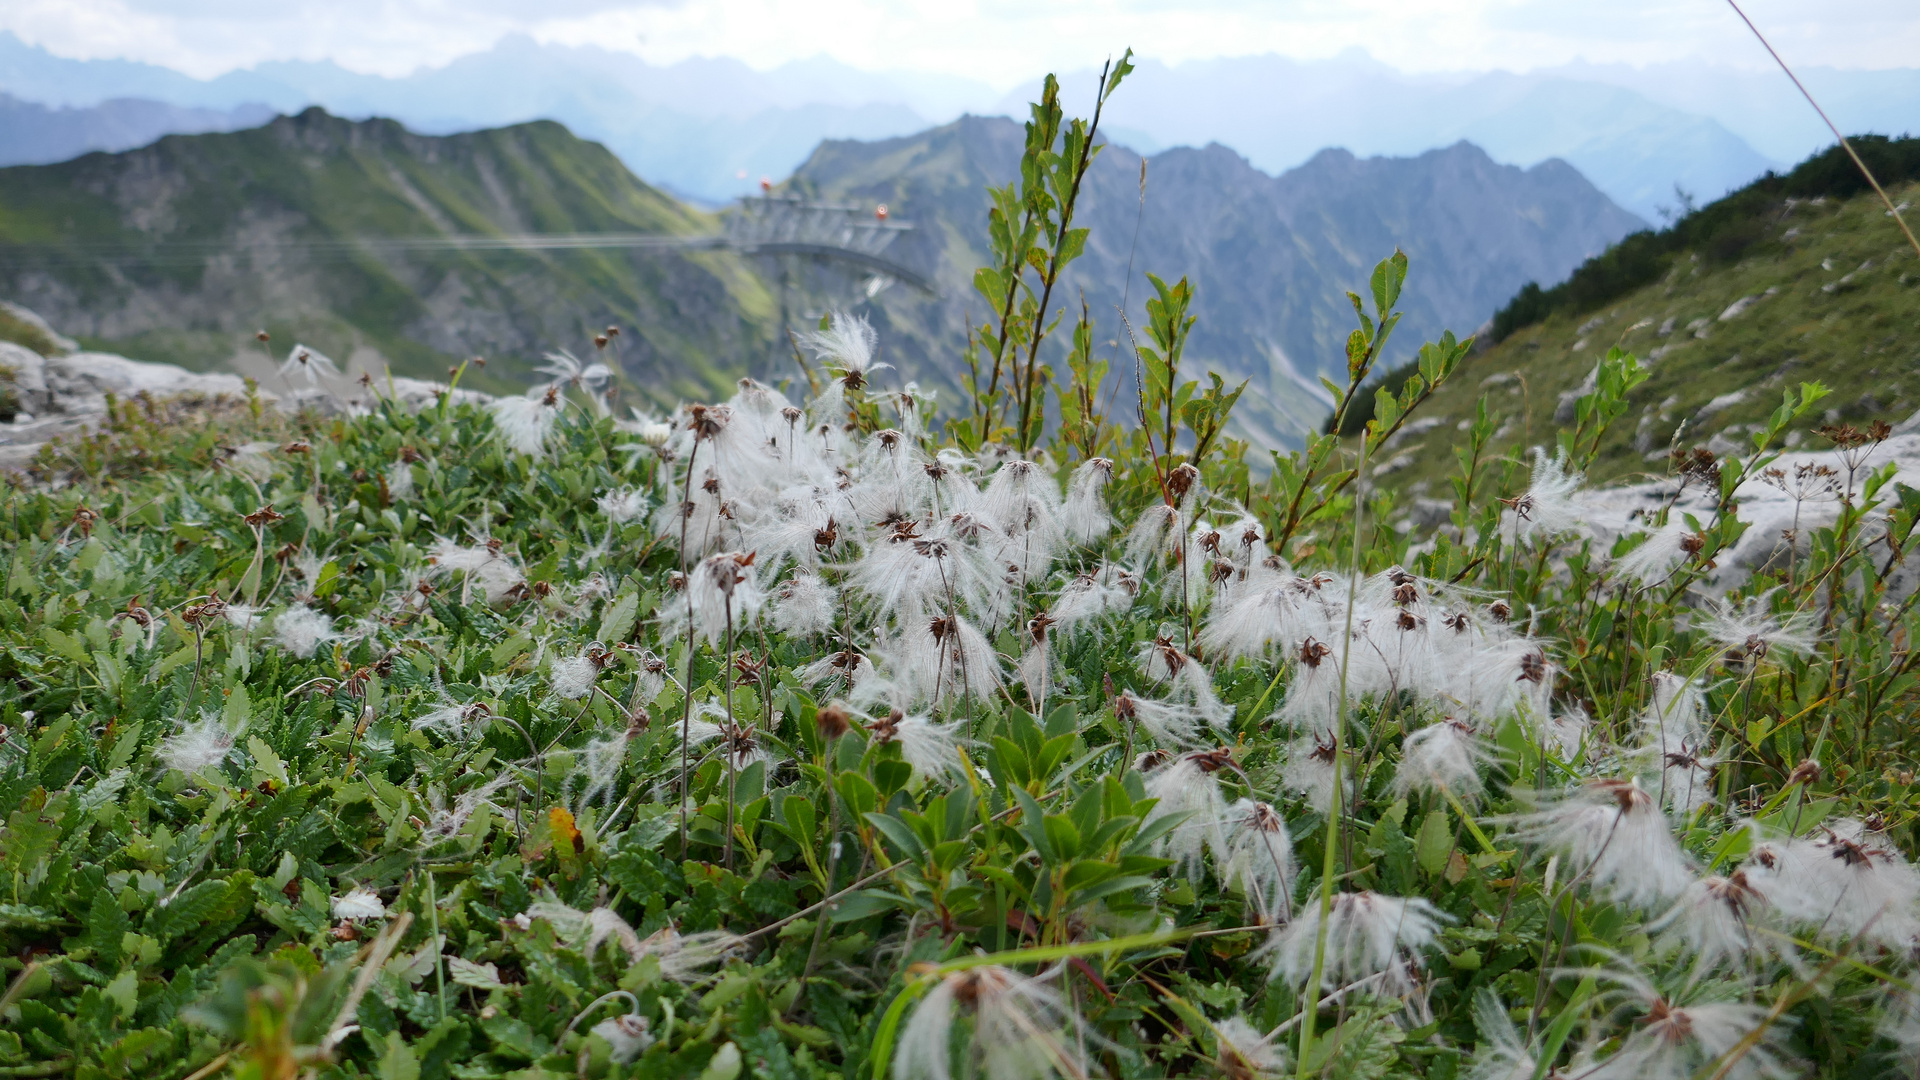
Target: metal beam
[770, 225]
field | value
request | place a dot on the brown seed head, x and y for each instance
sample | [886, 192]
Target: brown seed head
[1626, 794]
[832, 722]
[1181, 480]
[1533, 667]
[203, 613]
[1667, 1023]
[1807, 772]
[1152, 760]
[1170, 654]
[266, 515]
[1313, 652]
[1324, 749]
[887, 728]
[1735, 891]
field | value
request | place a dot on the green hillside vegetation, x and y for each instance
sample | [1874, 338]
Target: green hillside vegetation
[1723, 229]
[181, 250]
[21, 332]
[1821, 288]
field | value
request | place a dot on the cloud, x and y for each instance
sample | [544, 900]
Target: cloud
[205, 38]
[1002, 42]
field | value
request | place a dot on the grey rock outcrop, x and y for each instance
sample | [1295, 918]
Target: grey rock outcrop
[64, 395]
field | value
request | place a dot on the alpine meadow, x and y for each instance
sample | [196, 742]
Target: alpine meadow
[1042, 729]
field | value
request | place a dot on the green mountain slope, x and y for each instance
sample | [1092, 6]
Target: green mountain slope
[1819, 288]
[180, 250]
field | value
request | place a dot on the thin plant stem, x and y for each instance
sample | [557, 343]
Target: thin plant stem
[726, 681]
[686, 693]
[1844, 143]
[193, 688]
[1311, 1007]
[433, 916]
[830, 756]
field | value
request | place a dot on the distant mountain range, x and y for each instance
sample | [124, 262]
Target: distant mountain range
[1270, 257]
[708, 129]
[35, 134]
[181, 250]
[178, 251]
[1280, 112]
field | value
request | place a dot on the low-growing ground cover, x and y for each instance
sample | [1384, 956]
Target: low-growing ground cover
[811, 737]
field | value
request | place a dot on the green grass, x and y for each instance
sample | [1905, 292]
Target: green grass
[21, 332]
[1852, 327]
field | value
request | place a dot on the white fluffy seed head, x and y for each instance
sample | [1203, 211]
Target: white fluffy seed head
[203, 744]
[1719, 921]
[804, 605]
[1023, 1029]
[627, 1037]
[525, 423]
[1368, 934]
[1615, 831]
[359, 905]
[1841, 883]
[399, 478]
[1549, 507]
[301, 630]
[1188, 784]
[622, 505]
[1246, 1052]
[723, 592]
[573, 677]
[1309, 771]
[1083, 515]
[1751, 632]
[1673, 1042]
[1654, 561]
[1259, 860]
[1443, 757]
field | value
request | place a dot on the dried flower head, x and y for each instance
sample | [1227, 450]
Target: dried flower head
[1368, 935]
[1023, 1029]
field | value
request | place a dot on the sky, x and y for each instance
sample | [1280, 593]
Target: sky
[999, 42]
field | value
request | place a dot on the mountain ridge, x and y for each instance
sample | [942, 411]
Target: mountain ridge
[35, 134]
[218, 232]
[710, 127]
[1270, 257]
